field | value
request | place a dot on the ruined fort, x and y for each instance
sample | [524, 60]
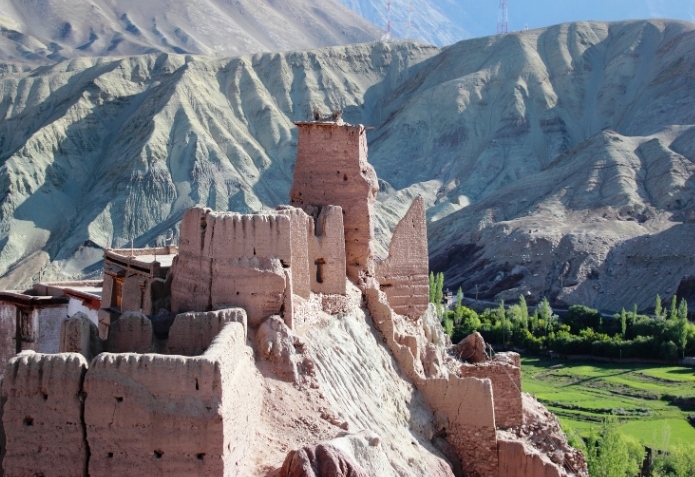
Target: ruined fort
[254, 346]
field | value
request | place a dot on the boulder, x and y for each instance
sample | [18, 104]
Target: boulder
[322, 460]
[472, 349]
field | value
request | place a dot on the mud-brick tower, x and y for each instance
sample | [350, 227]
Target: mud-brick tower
[332, 169]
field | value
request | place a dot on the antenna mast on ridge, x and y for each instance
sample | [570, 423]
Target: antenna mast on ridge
[388, 20]
[503, 18]
[410, 21]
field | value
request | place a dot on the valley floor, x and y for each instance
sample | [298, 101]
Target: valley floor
[652, 402]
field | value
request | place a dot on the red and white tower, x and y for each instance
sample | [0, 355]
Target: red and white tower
[388, 20]
[503, 18]
[410, 21]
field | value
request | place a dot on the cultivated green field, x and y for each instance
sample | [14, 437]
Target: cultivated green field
[642, 396]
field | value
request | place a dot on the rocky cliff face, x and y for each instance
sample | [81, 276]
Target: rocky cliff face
[546, 157]
[40, 31]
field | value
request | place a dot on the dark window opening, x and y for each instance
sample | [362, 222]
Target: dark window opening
[196, 385]
[28, 421]
[110, 455]
[158, 454]
[319, 269]
[344, 177]
[200, 456]
[119, 399]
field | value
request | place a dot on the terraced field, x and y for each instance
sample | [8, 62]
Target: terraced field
[652, 402]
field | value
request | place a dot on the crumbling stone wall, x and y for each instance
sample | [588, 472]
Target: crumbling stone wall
[332, 169]
[518, 461]
[403, 276]
[301, 227]
[50, 319]
[78, 334]
[191, 288]
[131, 333]
[327, 252]
[43, 415]
[505, 374]
[155, 414]
[134, 289]
[193, 332]
[228, 259]
[2, 429]
[463, 407]
[8, 344]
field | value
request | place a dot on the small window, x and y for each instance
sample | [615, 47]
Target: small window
[320, 263]
[117, 296]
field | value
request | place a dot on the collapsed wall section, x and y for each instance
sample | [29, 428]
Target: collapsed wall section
[42, 415]
[332, 169]
[301, 226]
[516, 460]
[403, 276]
[463, 407]
[465, 414]
[504, 372]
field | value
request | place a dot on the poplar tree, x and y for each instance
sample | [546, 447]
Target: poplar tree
[623, 322]
[674, 313]
[458, 311]
[524, 311]
[432, 287]
[682, 327]
[657, 307]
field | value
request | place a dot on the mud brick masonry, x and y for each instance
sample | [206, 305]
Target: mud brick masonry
[163, 380]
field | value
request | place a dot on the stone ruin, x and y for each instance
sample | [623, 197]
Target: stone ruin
[168, 381]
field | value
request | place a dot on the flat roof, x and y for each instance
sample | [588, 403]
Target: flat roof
[164, 260]
[87, 289]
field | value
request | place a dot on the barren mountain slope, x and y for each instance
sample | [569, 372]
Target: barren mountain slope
[96, 152]
[593, 119]
[439, 22]
[40, 31]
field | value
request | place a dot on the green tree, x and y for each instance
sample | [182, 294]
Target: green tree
[623, 322]
[440, 292]
[678, 462]
[546, 314]
[682, 327]
[432, 287]
[611, 454]
[459, 306]
[502, 321]
[673, 314]
[657, 307]
[524, 311]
